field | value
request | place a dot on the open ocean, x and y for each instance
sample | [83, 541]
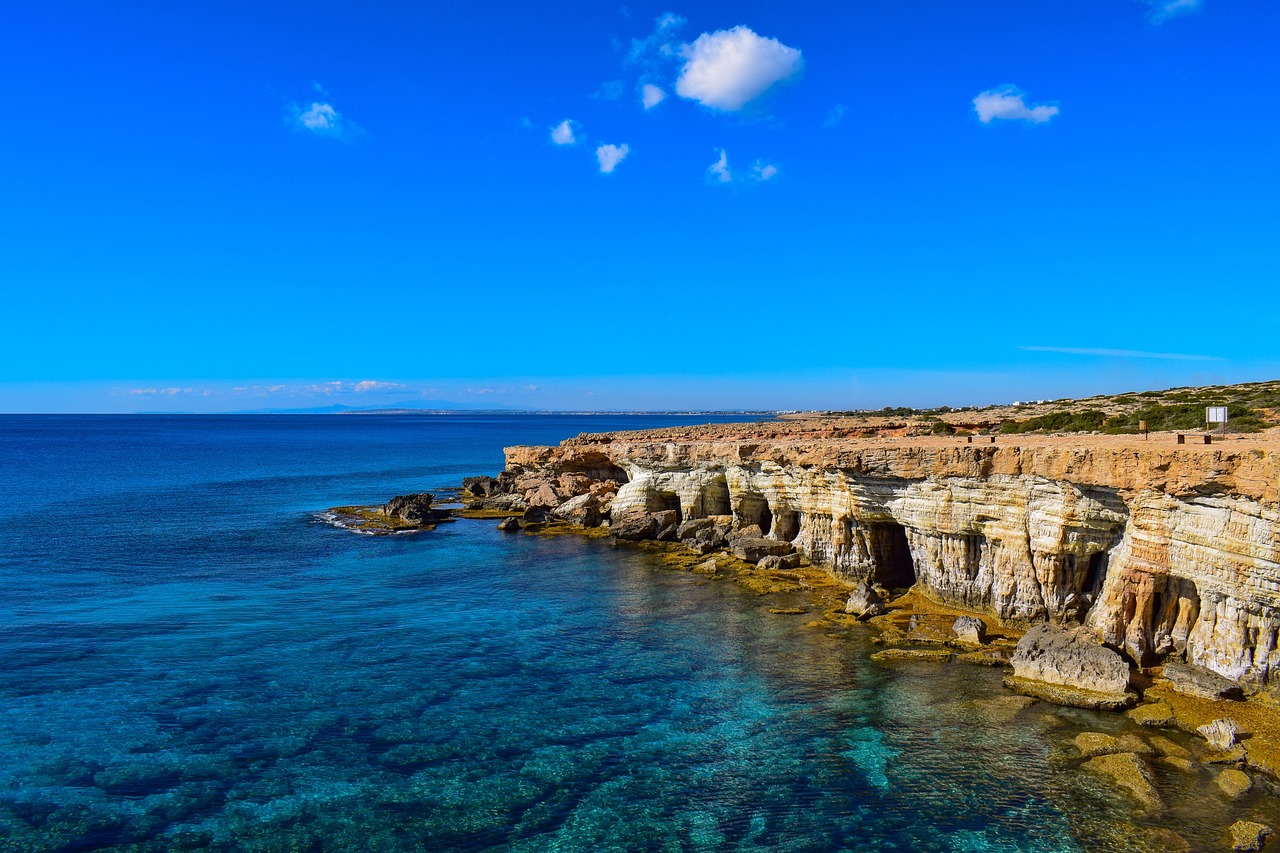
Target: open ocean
[190, 660]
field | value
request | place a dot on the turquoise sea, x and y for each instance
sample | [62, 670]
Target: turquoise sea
[191, 661]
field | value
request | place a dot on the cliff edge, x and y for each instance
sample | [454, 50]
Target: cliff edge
[1167, 551]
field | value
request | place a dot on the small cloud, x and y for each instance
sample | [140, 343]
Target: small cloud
[1008, 103]
[323, 119]
[835, 115]
[611, 155]
[660, 42]
[563, 133]
[720, 173]
[763, 171]
[610, 91]
[160, 392]
[719, 170]
[1163, 10]
[373, 385]
[728, 69]
[651, 96]
[525, 123]
[1123, 353]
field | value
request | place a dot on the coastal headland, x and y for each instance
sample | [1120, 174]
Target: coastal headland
[1109, 571]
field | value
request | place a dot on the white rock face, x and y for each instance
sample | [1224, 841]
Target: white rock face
[1158, 552]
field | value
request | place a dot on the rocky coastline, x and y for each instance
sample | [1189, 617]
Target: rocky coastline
[1105, 572]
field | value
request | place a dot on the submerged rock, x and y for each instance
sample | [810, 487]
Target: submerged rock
[930, 655]
[509, 525]
[1234, 783]
[1070, 667]
[1130, 773]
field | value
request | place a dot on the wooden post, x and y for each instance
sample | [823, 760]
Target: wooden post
[970, 439]
[1208, 439]
[1182, 439]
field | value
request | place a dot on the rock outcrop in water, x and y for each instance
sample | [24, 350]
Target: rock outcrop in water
[1164, 552]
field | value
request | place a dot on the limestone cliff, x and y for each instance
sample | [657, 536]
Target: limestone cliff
[1164, 550]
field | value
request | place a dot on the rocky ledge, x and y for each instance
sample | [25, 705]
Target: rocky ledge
[1165, 553]
[401, 514]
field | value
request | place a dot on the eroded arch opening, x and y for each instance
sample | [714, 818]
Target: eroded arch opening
[891, 555]
[754, 509]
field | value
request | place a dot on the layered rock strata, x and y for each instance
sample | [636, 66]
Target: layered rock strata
[1163, 552]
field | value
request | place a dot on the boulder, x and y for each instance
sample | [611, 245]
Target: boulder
[1197, 681]
[704, 544]
[1234, 783]
[666, 518]
[751, 531]
[573, 485]
[970, 630]
[1070, 667]
[1221, 733]
[666, 534]
[633, 525]
[1129, 772]
[865, 601]
[415, 507]
[545, 495]
[693, 527]
[752, 549]
[779, 561]
[509, 525]
[536, 514]
[1250, 835]
[584, 511]
[480, 487]
[509, 503]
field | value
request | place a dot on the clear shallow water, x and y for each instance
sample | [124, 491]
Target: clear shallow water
[191, 661]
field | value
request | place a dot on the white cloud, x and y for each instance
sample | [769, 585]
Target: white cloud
[323, 119]
[728, 69]
[1008, 103]
[661, 42]
[1123, 353]
[651, 96]
[835, 115]
[1163, 10]
[563, 133]
[165, 392]
[719, 170]
[611, 155]
[763, 171]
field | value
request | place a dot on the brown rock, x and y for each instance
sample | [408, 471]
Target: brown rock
[1153, 714]
[1221, 733]
[1250, 835]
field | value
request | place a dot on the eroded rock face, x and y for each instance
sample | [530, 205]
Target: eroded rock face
[1166, 553]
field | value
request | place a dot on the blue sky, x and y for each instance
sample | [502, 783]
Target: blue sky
[225, 206]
